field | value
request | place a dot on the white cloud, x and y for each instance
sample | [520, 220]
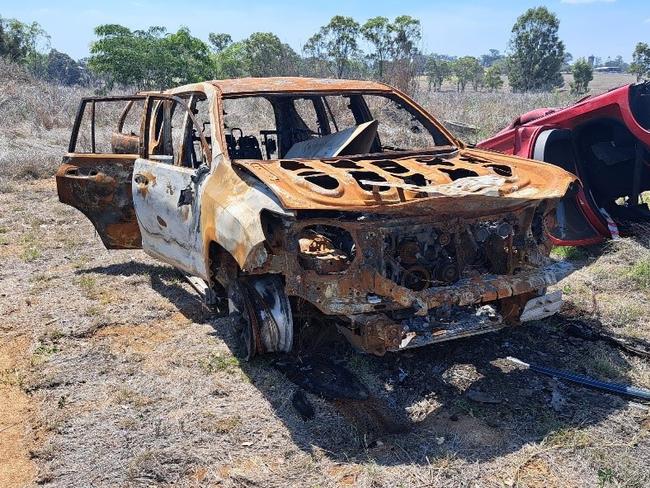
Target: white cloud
[575, 2]
[647, 21]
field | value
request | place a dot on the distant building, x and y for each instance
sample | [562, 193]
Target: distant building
[608, 69]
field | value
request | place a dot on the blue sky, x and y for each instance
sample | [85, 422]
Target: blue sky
[601, 27]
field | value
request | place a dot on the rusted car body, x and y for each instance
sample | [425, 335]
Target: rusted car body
[605, 141]
[296, 198]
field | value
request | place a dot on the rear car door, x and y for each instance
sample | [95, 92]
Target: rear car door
[96, 173]
[167, 180]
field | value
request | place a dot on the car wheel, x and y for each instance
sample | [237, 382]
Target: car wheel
[265, 311]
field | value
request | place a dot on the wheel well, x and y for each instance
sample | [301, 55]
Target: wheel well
[222, 267]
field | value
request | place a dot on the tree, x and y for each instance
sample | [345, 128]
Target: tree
[492, 57]
[377, 31]
[266, 55]
[407, 33]
[219, 41]
[19, 40]
[336, 43]
[186, 58]
[492, 79]
[583, 73]
[261, 54]
[57, 67]
[437, 70]
[537, 51]
[148, 59]
[467, 70]
[641, 61]
[231, 61]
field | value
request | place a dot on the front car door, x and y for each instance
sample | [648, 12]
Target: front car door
[167, 180]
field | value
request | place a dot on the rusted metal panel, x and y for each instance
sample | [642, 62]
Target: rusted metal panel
[244, 86]
[170, 227]
[431, 182]
[100, 187]
[231, 206]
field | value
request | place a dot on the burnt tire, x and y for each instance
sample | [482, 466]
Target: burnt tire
[265, 312]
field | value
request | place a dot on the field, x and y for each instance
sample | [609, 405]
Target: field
[112, 373]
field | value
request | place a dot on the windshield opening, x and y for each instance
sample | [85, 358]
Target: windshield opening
[303, 126]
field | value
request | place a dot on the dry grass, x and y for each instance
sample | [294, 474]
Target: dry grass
[36, 122]
[132, 384]
[613, 285]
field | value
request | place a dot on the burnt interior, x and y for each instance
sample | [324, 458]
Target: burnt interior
[267, 126]
[614, 167]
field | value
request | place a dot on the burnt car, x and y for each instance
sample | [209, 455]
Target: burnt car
[602, 139]
[341, 200]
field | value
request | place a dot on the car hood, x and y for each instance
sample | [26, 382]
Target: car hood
[465, 182]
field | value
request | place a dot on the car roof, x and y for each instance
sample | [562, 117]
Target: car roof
[249, 86]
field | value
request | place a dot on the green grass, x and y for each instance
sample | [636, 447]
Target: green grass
[605, 477]
[567, 437]
[216, 362]
[31, 250]
[570, 253]
[88, 285]
[42, 353]
[30, 254]
[639, 273]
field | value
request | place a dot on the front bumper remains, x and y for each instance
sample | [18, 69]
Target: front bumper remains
[469, 307]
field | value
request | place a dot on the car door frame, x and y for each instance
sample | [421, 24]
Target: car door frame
[167, 196]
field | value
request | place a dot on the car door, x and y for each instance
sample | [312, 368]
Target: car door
[574, 219]
[167, 180]
[95, 176]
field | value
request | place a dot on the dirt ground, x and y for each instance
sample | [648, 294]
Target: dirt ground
[113, 374]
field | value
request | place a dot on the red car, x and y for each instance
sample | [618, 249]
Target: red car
[605, 141]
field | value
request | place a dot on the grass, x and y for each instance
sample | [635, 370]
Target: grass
[92, 289]
[12, 377]
[42, 353]
[88, 285]
[569, 253]
[639, 273]
[30, 253]
[568, 438]
[220, 362]
[226, 424]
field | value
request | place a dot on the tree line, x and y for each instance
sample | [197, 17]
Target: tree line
[379, 48]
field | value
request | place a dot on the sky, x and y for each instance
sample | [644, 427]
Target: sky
[605, 28]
